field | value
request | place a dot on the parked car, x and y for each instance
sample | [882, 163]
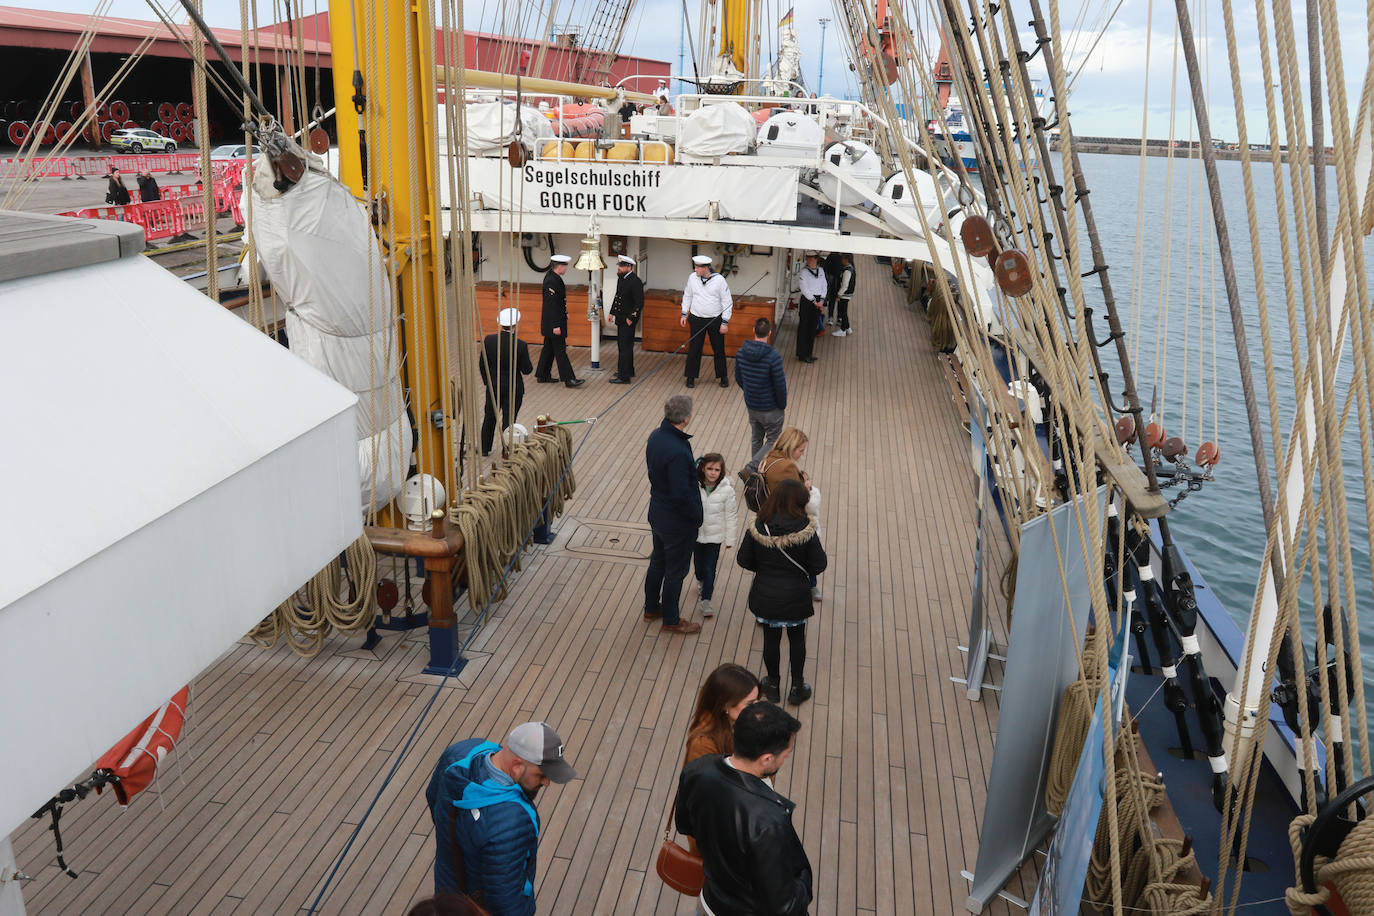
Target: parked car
[138, 139]
[234, 151]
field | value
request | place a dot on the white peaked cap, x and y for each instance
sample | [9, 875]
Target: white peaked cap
[561, 259]
[701, 260]
[508, 317]
[626, 259]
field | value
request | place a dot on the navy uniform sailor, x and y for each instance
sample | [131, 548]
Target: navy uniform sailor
[626, 308]
[706, 309]
[813, 291]
[554, 325]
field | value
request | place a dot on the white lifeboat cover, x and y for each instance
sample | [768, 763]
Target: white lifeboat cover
[317, 246]
[790, 133]
[859, 163]
[492, 126]
[717, 130]
[925, 193]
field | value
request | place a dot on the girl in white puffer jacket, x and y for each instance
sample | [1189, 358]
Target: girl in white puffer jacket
[719, 521]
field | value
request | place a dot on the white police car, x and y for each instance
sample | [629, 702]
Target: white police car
[138, 139]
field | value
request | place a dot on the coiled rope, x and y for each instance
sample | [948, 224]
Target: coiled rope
[496, 516]
[320, 606]
[1352, 871]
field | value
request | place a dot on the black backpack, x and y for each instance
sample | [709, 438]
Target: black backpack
[755, 490]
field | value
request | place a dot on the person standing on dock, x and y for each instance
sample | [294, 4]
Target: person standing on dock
[486, 829]
[504, 356]
[148, 190]
[626, 308]
[115, 192]
[554, 326]
[844, 291]
[675, 515]
[759, 373]
[706, 309]
[753, 859]
[812, 296]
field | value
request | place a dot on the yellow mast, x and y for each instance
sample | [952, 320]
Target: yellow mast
[389, 52]
[736, 33]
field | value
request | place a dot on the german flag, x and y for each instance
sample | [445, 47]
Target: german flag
[785, 20]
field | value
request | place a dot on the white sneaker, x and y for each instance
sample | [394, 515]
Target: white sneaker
[706, 609]
[815, 593]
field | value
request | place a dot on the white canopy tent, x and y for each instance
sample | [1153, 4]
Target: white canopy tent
[169, 475]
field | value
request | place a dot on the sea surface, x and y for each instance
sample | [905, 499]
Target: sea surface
[1158, 226]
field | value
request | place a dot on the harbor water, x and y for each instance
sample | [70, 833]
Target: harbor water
[1179, 329]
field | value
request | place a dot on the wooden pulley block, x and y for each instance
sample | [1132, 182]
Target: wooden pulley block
[319, 141]
[388, 595]
[977, 236]
[1208, 454]
[288, 165]
[1155, 435]
[1173, 447]
[1125, 430]
[516, 154]
[1013, 271]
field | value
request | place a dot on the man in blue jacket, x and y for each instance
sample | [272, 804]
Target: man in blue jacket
[758, 372]
[481, 798]
[674, 515]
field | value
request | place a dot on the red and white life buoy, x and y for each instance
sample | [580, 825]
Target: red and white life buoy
[135, 759]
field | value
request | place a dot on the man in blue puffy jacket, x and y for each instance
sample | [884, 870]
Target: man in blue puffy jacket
[486, 829]
[758, 372]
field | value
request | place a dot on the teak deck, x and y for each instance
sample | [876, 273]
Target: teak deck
[284, 755]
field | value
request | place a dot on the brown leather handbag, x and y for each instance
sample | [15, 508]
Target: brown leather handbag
[680, 869]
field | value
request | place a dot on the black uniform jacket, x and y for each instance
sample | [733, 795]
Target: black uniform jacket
[502, 351]
[555, 314]
[629, 297]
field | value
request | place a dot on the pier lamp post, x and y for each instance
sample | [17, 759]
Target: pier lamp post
[820, 76]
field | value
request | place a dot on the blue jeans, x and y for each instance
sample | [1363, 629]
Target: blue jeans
[667, 568]
[705, 557]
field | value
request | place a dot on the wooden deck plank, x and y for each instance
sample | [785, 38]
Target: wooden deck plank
[889, 769]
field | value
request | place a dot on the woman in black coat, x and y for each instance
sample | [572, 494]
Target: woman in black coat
[783, 551]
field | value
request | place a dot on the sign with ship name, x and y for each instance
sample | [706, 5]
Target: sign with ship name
[681, 191]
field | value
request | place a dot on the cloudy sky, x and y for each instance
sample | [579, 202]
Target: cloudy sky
[1117, 55]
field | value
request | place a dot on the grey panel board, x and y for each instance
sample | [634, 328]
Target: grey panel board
[32, 244]
[1042, 660]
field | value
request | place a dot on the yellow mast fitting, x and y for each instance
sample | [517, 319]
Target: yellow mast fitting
[486, 79]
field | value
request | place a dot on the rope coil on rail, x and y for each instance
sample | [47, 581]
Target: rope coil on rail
[496, 516]
[316, 609]
[1352, 871]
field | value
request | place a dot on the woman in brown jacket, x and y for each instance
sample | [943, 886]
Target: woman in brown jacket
[781, 461]
[723, 697]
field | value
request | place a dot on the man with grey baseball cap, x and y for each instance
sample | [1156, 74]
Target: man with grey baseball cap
[486, 829]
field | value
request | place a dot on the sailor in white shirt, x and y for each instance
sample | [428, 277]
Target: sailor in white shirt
[706, 309]
[813, 290]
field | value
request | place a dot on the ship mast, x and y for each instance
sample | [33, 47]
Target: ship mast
[387, 157]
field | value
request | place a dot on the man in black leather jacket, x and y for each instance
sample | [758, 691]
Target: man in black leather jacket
[754, 861]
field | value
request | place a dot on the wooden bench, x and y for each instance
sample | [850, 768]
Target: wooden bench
[662, 332]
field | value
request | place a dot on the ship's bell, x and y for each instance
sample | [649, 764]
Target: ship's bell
[590, 258]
